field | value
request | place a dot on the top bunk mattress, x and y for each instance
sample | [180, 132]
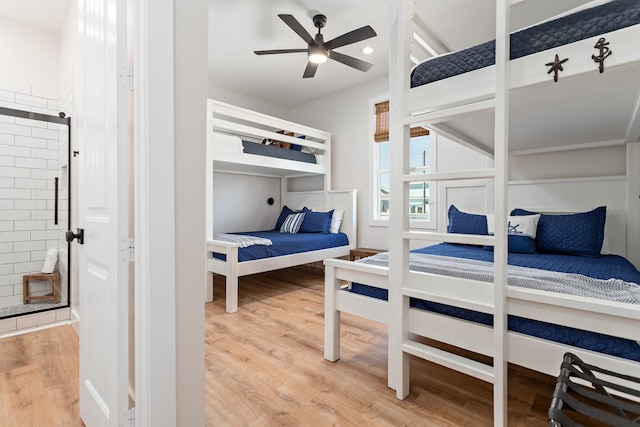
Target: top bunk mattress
[249, 147]
[581, 25]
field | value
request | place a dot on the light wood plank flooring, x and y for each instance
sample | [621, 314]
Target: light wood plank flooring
[265, 367]
[39, 379]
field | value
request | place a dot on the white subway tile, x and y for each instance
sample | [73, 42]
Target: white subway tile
[31, 163]
[40, 194]
[6, 291]
[30, 204]
[29, 246]
[31, 122]
[30, 225]
[17, 214]
[28, 141]
[44, 235]
[37, 184]
[44, 133]
[43, 173]
[14, 193]
[32, 101]
[52, 164]
[27, 267]
[6, 247]
[6, 139]
[16, 236]
[15, 257]
[53, 144]
[10, 279]
[6, 95]
[38, 255]
[39, 153]
[14, 172]
[6, 160]
[6, 204]
[15, 150]
[6, 225]
[7, 183]
[44, 214]
[15, 129]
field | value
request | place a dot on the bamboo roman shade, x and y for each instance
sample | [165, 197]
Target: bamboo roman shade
[382, 124]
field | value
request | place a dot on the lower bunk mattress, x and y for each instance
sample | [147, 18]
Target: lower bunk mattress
[590, 22]
[286, 244]
[604, 267]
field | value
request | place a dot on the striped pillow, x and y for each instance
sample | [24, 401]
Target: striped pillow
[292, 223]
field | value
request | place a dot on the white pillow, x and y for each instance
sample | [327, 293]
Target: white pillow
[336, 220]
[50, 261]
[525, 225]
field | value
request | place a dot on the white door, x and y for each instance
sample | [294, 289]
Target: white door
[101, 118]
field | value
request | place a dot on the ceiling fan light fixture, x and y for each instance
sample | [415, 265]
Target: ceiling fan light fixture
[318, 55]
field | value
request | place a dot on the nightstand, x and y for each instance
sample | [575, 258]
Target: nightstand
[363, 253]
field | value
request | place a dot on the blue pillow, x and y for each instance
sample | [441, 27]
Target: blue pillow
[286, 211]
[292, 223]
[316, 222]
[571, 234]
[296, 146]
[466, 223]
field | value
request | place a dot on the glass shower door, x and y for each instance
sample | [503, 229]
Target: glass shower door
[34, 212]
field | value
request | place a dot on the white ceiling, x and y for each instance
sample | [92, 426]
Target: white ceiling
[238, 27]
[48, 15]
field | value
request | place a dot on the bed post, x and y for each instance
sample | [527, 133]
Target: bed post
[231, 281]
[331, 316]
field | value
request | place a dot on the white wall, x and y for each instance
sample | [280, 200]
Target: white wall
[240, 202]
[220, 93]
[30, 59]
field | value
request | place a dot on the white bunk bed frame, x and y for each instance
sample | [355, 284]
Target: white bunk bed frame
[437, 106]
[231, 120]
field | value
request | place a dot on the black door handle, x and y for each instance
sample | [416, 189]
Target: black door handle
[70, 235]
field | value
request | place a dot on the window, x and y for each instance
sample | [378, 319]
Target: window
[420, 161]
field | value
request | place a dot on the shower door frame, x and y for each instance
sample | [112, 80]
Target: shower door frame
[66, 121]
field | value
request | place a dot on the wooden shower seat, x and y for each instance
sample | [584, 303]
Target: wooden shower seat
[54, 296]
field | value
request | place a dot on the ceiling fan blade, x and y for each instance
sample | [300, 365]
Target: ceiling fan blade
[293, 23]
[271, 52]
[350, 61]
[354, 36]
[310, 71]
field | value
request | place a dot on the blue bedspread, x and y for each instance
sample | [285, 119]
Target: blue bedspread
[287, 244]
[587, 23]
[603, 267]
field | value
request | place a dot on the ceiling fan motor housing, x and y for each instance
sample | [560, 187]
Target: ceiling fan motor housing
[319, 21]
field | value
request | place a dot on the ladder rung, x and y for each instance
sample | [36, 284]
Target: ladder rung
[441, 297]
[450, 360]
[468, 239]
[449, 176]
[437, 116]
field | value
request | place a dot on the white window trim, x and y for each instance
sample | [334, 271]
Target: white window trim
[431, 224]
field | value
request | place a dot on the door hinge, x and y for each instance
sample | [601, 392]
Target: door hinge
[128, 418]
[128, 250]
[126, 77]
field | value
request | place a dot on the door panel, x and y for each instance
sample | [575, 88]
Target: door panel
[102, 125]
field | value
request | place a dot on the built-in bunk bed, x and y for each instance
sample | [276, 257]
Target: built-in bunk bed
[241, 141]
[516, 107]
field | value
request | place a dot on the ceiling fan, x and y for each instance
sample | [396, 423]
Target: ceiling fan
[320, 51]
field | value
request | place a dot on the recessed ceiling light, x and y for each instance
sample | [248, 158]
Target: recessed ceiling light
[367, 50]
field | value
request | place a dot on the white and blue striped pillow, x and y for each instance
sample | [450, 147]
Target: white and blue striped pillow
[292, 223]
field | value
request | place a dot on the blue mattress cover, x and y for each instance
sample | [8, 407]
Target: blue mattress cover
[279, 152]
[287, 244]
[603, 267]
[581, 25]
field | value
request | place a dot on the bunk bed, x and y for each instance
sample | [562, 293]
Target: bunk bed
[241, 141]
[512, 107]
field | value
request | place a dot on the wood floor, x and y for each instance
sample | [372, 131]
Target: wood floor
[265, 367]
[39, 379]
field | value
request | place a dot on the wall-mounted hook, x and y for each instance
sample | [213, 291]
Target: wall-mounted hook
[76, 153]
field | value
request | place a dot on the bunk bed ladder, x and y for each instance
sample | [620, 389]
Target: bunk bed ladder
[402, 283]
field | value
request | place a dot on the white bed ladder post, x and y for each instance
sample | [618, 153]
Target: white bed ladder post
[401, 286]
[398, 246]
[500, 205]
